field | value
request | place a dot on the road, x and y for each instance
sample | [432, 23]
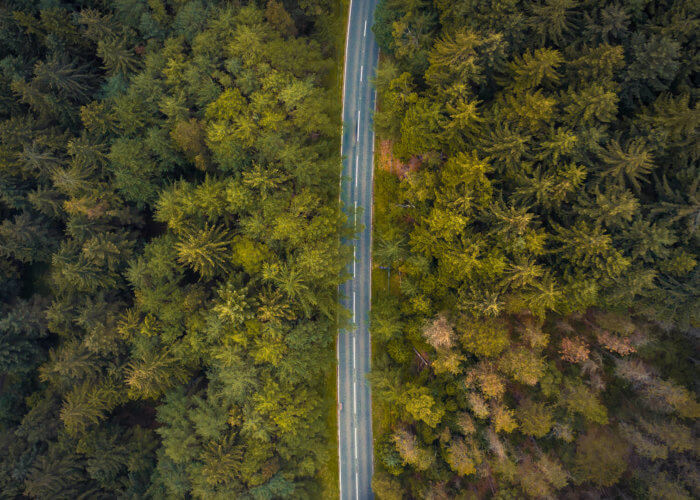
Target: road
[354, 349]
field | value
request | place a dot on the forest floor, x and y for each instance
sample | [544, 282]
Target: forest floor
[387, 161]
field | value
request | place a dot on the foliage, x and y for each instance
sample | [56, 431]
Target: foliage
[542, 246]
[169, 245]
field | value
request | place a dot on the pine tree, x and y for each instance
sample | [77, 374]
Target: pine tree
[116, 57]
[535, 69]
[654, 64]
[67, 79]
[69, 363]
[462, 57]
[46, 201]
[98, 26]
[420, 129]
[87, 405]
[552, 20]
[205, 250]
[590, 105]
[613, 24]
[388, 252]
[291, 281]
[505, 147]
[26, 238]
[591, 248]
[221, 461]
[22, 327]
[154, 373]
[56, 474]
[272, 307]
[631, 164]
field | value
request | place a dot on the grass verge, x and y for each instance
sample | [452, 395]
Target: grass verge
[380, 285]
[328, 476]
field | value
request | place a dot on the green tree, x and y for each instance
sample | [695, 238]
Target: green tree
[601, 457]
[631, 163]
[535, 418]
[205, 250]
[535, 69]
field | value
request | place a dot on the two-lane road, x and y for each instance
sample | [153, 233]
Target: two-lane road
[354, 349]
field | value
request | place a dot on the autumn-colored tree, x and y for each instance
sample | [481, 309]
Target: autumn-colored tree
[463, 456]
[411, 452]
[573, 350]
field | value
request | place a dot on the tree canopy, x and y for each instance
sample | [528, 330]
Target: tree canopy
[534, 330]
[169, 243]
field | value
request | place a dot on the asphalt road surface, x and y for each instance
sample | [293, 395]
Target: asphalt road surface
[354, 349]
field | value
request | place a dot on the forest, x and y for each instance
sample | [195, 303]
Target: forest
[535, 284]
[169, 248]
[170, 256]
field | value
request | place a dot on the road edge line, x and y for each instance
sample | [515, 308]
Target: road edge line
[340, 194]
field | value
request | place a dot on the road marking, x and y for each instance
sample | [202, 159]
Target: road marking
[353, 305]
[355, 442]
[354, 359]
[354, 380]
[357, 166]
[364, 33]
[357, 486]
[354, 397]
[362, 71]
[354, 261]
[358, 124]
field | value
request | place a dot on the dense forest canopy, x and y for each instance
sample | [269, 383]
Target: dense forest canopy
[169, 247]
[536, 224]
